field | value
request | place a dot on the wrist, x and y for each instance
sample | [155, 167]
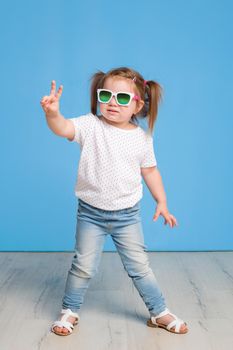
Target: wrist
[162, 201]
[52, 115]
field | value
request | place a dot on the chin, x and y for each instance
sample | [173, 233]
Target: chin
[111, 116]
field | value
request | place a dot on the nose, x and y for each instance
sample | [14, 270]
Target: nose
[113, 101]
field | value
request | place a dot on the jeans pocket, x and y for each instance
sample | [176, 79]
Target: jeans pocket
[79, 210]
[84, 210]
[133, 210]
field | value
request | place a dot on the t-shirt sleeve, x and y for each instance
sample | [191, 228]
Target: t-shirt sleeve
[81, 126]
[148, 158]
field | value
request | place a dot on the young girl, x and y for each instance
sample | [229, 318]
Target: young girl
[115, 153]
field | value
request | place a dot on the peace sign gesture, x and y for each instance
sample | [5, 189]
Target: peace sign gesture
[50, 104]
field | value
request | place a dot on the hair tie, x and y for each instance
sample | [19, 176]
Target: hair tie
[145, 82]
[134, 79]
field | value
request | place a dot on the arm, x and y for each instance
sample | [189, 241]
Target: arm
[60, 126]
[56, 122]
[154, 183]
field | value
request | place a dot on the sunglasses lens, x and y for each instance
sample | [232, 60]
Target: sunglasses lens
[123, 98]
[105, 96]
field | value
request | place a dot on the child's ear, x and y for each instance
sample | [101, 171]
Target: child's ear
[139, 106]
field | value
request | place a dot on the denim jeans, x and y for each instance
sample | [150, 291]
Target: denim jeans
[124, 226]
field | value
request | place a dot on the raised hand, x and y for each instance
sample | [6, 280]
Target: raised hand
[50, 104]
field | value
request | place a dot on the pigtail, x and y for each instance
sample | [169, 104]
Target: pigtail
[97, 82]
[154, 93]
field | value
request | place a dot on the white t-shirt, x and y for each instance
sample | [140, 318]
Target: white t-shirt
[109, 174]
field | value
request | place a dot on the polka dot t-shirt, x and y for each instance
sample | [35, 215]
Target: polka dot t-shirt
[109, 171]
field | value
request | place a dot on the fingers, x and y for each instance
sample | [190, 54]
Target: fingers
[48, 99]
[51, 103]
[59, 92]
[44, 99]
[174, 221]
[156, 216]
[171, 220]
[53, 87]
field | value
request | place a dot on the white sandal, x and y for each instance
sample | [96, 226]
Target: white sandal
[177, 322]
[64, 323]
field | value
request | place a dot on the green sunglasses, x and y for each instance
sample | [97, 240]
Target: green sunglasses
[122, 98]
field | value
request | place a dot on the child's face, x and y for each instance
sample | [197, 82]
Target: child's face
[114, 113]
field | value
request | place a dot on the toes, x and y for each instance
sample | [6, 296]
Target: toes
[183, 328]
[60, 329]
[57, 329]
[64, 330]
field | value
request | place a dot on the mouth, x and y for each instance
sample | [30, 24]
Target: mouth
[112, 111]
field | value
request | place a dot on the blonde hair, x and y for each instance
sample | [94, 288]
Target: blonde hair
[149, 91]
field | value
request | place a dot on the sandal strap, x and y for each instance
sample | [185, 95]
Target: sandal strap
[64, 324]
[177, 323]
[163, 313]
[67, 312]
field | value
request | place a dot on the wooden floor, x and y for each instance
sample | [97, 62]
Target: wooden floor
[198, 287]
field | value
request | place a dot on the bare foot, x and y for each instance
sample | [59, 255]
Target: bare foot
[63, 329]
[165, 320]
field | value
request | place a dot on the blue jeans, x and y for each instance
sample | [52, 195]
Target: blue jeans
[124, 226]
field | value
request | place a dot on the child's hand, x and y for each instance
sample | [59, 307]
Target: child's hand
[162, 210]
[50, 104]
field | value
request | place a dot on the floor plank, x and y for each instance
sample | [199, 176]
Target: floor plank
[198, 287]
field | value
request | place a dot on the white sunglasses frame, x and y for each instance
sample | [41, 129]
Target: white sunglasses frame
[114, 94]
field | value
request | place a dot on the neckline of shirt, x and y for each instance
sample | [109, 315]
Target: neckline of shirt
[116, 128]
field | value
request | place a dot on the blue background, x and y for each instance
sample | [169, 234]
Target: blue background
[185, 46]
